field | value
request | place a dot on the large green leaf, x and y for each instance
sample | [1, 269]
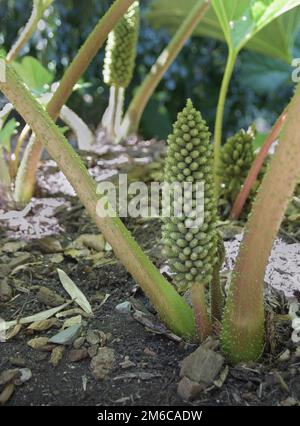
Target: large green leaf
[277, 39]
[6, 133]
[32, 72]
[242, 19]
[241, 23]
[264, 75]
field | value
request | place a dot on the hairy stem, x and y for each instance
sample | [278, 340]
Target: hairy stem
[29, 29]
[216, 297]
[216, 293]
[20, 142]
[5, 179]
[243, 323]
[256, 167]
[170, 306]
[27, 171]
[26, 175]
[137, 106]
[203, 323]
[220, 115]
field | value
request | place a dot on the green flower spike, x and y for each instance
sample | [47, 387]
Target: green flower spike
[236, 160]
[120, 51]
[119, 66]
[192, 251]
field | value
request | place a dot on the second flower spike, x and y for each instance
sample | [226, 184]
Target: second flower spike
[119, 63]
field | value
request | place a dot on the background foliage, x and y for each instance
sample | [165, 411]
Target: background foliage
[260, 87]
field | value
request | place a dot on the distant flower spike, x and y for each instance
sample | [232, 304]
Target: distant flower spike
[121, 49]
[192, 252]
[236, 160]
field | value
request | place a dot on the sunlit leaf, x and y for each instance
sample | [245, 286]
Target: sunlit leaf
[242, 19]
[267, 26]
[6, 133]
[36, 77]
[277, 39]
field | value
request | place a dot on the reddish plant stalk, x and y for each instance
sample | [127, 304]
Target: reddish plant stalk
[243, 322]
[203, 322]
[256, 167]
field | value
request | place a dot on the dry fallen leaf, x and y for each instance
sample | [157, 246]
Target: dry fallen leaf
[44, 314]
[84, 382]
[91, 241]
[13, 246]
[49, 297]
[36, 317]
[42, 325]
[223, 376]
[67, 336]
[72, 312]
[57, 258]
[38, 342]
[74, 292]
[56, 355]
[13, 332]
[76, 253]
[9, 376]
[72, 321]
[7, 393]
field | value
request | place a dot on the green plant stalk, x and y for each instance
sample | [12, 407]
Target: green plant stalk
[216, 297]
[172, 309]
[203, 322]
[231, 59]
[112, 117]
[20, 142]
[5, 179]
[243, 322]
[37, 12]
[25, 182]
[216, 294]
[137, 106]
[120, 98]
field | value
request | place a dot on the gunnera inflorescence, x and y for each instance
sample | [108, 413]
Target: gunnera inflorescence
[120, 51]
[192, 251]
[236, 160]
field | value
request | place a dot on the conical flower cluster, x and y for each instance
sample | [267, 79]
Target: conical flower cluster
[191, 250]
[236, 160]
[120, 51]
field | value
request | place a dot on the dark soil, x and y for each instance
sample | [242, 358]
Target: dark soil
[275, 381]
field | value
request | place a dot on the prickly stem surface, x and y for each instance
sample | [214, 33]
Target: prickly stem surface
[243, 322]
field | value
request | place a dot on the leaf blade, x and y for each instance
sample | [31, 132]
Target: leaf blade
[76, 294]
[266, 39]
